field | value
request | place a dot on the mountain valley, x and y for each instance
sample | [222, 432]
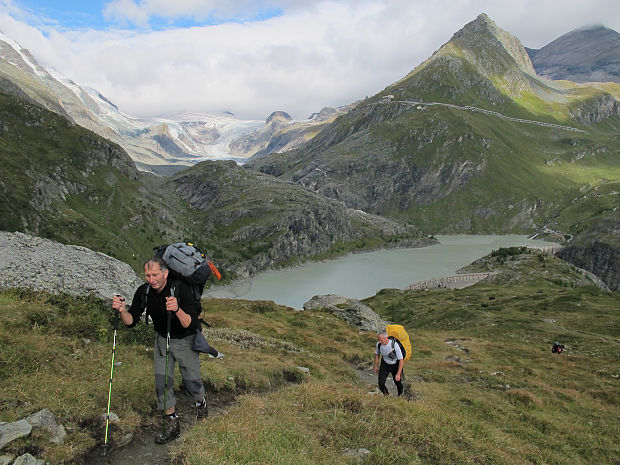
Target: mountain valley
[470, 141]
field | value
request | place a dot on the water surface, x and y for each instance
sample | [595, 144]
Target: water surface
[362, 275]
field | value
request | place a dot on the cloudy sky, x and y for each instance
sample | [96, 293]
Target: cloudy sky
[251, 57]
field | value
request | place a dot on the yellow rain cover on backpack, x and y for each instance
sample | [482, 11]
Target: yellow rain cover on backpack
[398, 331]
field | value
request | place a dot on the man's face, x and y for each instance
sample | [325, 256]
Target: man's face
[154, 275]
[383, 339]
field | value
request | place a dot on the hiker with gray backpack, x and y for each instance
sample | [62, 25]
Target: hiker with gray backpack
[172, 302]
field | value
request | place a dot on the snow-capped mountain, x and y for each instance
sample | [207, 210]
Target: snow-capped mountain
[162, 145]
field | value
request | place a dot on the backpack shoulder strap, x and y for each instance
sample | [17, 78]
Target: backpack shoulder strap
[394, 342]
[175, 288]
[195, 290]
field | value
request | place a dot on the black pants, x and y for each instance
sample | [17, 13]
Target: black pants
[386, 368]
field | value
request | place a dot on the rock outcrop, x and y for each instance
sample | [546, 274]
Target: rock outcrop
[271, 221]
[597, 251]
[41, 264]
[596, 109]
[350, 310]
[43, 419]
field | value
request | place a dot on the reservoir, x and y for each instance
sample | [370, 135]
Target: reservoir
[362, 275]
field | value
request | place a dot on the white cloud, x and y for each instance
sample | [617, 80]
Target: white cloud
[126, 11]
[328, 54]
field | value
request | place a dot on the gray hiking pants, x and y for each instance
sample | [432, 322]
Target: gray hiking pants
[189, 365]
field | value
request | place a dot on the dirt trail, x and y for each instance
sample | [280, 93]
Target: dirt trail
[367, 376]
[143, 450]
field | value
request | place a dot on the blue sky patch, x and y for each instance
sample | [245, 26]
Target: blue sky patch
[75, 14]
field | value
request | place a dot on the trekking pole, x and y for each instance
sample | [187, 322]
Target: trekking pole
[107, 420]
[168, 322]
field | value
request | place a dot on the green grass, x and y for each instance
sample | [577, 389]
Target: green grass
[494, 395]
[595, 203]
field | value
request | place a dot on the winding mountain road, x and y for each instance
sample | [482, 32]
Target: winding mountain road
[488, 112]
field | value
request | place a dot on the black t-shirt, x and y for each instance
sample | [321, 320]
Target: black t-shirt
[156, 308]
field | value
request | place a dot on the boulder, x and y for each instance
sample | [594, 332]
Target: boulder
[41, 264]
[14, 430]
[28, 459]
[350, 310]
[45, 419]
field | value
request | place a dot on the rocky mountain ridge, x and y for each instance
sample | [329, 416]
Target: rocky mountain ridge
[587, 54]
[280, 133]
[417, 154]
[78, 188]
[278, 220]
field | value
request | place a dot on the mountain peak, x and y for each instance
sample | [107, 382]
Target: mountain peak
[280, 116]
[483, 18]
[589, 53]
[483, 31]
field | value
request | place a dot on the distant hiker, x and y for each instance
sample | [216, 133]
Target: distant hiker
[392, 361]
[557, 348]
[183, 325]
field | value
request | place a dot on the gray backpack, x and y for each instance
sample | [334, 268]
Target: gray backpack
[188, 263]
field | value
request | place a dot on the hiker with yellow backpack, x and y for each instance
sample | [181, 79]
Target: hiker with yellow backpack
[391, 352]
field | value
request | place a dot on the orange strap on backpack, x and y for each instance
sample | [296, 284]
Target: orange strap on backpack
[214, 269]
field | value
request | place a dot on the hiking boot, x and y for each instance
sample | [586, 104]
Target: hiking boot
[407, 394]
[172, 430]
[201, 410]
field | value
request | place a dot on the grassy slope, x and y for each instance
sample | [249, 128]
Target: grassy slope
[528, 163]
[509, 400]
[526, 166]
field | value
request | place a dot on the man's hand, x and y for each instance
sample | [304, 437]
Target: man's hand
[172, 305]
[118, 303]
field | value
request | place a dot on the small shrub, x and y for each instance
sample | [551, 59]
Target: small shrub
[504, 252]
